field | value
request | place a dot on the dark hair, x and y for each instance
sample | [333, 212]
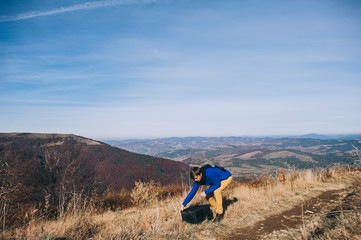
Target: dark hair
[195, 171]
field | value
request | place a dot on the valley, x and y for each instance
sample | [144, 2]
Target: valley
[252, 157]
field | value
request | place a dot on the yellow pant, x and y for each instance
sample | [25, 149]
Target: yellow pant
[215, 198]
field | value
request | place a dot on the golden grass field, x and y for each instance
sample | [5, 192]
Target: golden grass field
[258, 201]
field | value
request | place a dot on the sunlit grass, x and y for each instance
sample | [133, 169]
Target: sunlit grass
[160, 219]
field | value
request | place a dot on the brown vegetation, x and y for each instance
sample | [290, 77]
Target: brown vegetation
[61, 188]
[157, 216]
[49, 175]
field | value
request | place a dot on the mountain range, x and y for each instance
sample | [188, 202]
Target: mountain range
[252, 157]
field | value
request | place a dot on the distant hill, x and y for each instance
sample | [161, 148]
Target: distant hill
[155, 147]
[251, 157]
[114, 168]
[45, 168]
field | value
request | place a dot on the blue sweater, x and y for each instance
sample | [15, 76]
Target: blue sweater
[214, 176]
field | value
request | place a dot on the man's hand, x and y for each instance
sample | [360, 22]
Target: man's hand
[203, 194]
[181, 209]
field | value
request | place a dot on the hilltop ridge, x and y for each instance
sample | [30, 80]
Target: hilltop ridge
[104, 159]
[46, 170]
[62, 137]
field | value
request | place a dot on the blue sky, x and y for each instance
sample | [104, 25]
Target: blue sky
[118, 69]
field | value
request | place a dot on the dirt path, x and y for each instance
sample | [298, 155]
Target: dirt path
[296, 216]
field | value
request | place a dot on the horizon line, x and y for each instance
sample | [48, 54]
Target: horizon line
[237, 136]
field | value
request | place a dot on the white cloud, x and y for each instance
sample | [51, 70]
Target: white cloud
[88, 5]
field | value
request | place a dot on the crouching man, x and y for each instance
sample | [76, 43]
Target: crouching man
[217, 178]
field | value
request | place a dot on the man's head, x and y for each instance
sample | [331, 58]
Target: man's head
[196, 174]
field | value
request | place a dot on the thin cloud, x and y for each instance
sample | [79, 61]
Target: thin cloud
[78, 7]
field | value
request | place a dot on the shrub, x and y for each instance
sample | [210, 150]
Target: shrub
[146, 193]
[116, 201]
[281, 175]
[261, 182]
[170, 191]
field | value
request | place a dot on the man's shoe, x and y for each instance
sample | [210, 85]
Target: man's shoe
[218, 217]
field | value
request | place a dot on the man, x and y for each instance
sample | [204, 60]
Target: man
[217, 178]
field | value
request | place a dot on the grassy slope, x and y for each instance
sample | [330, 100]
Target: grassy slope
[161, 220]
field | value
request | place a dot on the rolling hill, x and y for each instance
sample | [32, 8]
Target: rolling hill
[46, 170]
[251, 157]
[109, 167]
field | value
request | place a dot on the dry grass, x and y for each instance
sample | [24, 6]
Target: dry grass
[342, 222]
[346, 226]
[160, 219]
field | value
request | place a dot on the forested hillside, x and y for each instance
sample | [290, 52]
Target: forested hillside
[44, 171]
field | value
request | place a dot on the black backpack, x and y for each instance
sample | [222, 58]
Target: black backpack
[205, 167]
[197, 214]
